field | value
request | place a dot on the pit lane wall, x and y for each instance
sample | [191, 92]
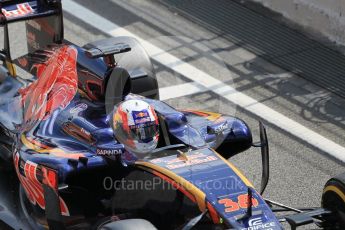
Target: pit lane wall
[324, 16]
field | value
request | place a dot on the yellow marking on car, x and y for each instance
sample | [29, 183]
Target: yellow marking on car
[336, 190]
[211, 116]
[11, 69]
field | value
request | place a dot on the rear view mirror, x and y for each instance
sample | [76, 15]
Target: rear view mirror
[265, 158]
[263, 144]
[217, 129]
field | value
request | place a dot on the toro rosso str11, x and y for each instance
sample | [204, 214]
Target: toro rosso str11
[62, 166]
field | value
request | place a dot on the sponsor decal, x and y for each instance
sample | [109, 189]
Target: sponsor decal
[21, 10]
[177, 159]
[192, 162]
[27, 173]
[258, 223]
[218, 129]
[78, 108]
[157, 161]
[237, 203]
[180, 162]
[108, 152]
[221, 127]
[78, 132]
[87, 133]
[142, 120]
[140, 114]
[141, 117]
[255, 221]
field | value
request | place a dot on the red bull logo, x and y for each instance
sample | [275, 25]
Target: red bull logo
[141, 114]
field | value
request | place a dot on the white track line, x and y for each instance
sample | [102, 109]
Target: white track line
[181, 90]
[208, 82]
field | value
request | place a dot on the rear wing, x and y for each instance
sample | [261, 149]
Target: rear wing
[19, 10]
[43, 22]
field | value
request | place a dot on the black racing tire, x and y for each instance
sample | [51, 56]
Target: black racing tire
[136, 62]
[129, 224]
[333, 199]
[118, 86]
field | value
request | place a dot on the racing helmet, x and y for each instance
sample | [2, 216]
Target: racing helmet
[136, 126]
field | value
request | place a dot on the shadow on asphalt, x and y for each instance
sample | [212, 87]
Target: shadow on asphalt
[269, 40]
[280, 45]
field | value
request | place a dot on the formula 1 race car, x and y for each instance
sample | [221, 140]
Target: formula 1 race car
[62, 166]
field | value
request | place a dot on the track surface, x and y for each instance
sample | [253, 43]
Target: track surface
[298, 169]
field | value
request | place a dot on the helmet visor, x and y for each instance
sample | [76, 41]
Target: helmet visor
[143, 133]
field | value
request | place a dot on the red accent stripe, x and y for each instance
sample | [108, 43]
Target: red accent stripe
[63, 207]
[26, 169]
[57, 77]
[27, 190]
[213, 213]
[32, 172]
[203, 114]
[49, 178]
[124, 118]
[154, 114]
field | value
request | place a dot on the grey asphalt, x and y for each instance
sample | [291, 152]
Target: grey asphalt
[298, 170]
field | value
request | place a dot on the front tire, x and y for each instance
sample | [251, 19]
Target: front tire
[129, 224]
[333, 199]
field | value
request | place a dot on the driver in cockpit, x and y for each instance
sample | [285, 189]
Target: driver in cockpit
[136, 126]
